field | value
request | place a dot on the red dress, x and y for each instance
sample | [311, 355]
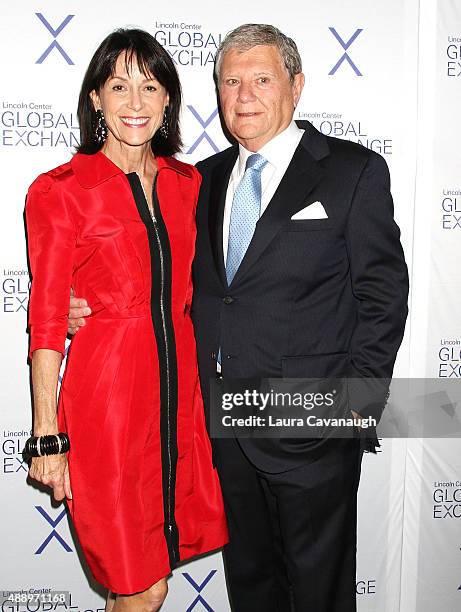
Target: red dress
[145, 493]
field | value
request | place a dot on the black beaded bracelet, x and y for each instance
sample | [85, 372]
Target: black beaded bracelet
[54, 444]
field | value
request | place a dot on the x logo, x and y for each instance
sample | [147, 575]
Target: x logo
[204, 123]
[345, 56]
[54, 33]
[54, 533]
[199, 588]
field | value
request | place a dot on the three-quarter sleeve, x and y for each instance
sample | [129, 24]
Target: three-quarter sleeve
[51, 235]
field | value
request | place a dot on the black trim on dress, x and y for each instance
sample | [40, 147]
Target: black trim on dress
[162, 320]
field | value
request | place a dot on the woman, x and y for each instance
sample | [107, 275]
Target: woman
[116, 224]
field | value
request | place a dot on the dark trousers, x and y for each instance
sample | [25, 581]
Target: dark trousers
[293, 534]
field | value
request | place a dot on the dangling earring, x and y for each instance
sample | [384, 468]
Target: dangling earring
[164, 127]
[100, 132]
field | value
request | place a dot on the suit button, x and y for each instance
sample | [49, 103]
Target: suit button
[213, 355]
[228, 299]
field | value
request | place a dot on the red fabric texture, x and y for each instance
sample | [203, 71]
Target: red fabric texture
[84, 231]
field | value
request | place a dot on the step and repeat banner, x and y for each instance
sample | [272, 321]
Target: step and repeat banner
[386, 75]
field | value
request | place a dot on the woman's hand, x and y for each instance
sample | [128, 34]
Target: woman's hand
[53, 471]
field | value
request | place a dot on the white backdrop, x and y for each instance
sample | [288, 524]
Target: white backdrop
[383, 74]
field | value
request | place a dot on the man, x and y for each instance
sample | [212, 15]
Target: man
[298, 272]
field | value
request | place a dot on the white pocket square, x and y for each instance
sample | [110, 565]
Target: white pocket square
[312, 211]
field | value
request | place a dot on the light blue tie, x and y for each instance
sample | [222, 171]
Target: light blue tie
[245, 212]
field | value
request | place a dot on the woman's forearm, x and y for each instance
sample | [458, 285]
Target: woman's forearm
[45, 371]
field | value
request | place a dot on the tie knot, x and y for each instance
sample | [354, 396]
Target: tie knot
[256, 162]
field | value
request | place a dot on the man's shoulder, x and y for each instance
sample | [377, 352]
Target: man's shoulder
[338, 149]
[349, 149]
[357, 161]
[355, 154]
[205, 165]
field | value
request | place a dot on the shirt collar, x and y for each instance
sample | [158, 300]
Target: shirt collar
[91, 170]
[277, 150]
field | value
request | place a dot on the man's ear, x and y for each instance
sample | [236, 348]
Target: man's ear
[298, 84]
[95, 99]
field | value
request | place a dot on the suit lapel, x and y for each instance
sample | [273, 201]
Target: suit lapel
[218, 189]
[302, 175]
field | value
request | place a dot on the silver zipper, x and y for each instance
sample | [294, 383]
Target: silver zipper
[162, 310]
[151, 210]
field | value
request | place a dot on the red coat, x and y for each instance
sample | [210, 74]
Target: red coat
[145, 493]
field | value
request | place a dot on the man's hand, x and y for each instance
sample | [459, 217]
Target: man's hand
[357, 416]
[78, 309]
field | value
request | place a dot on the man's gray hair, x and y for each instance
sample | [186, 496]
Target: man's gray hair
[250, 35]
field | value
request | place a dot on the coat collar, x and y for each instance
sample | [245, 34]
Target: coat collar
[92, 170]
[315, 143]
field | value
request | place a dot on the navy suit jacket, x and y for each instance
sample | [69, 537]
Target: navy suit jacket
[311, 298]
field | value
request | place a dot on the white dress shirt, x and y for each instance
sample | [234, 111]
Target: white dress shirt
[278, 152]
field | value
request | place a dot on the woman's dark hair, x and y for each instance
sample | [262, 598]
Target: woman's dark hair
[153, 60]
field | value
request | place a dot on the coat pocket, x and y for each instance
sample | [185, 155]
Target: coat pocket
[323, 365]
[326, 380]
[306, 225]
